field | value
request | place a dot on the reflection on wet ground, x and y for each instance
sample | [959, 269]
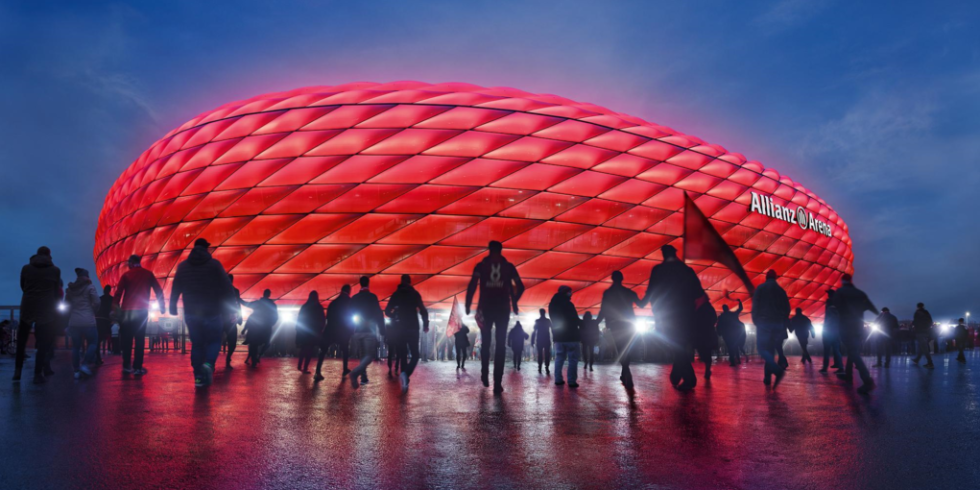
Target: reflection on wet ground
[272, 427]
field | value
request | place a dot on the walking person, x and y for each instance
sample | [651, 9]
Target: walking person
[732, 330]
[801, 325]
[405, 307]
[516, 339]
[462, 339]
[133, 297]
[673, 293]
[770, 312]
[309, 324]
[40, 282]
[616, 310]
[338, 330]
[705, 335]
[566, 326]
[830, 336]
[369, 328]
[851, 303]
[103, 323]
[590, 339]
[541, 341]
[207, 291]
[500, 289]
[83, 302]
[888, 337]
[922, 328]
[233, 320]
[961, 334]
[258, 327]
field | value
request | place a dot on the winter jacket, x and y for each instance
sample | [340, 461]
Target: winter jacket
[617, 305]
[590, 331]
[851, 303]
[105, 308]
[729, 325]
[83, 302]
[404, 308]
[462, 337]
[541, 332]
[339, 327]
[922, 322]
[40, 281]
[516, 339]
[801, 326]
[133, 290]
[566, 326]
[204, 284]
[369, 318]
[704, 334]
[888, 323]
[770, 306]
[500, 285]
[309, 324]
[265, 315]
[672, 291]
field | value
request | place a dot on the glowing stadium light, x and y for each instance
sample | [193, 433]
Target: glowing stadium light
[875, 327]
[62, 306]
[643, 326]
[356, 319]
[818, 329]
[287, 316]
[154, 307]
[154, 316]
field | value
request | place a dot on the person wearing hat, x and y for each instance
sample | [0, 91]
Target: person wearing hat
[674, 293]
[888, 325]
[40, 281]
[83, 302]
[566, 330]
[207, 292]
[133, 298]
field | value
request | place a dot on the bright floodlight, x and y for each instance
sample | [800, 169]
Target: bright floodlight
[875, 328]
[62, 306]
[818, 329]
[642, 326]
[288, 316]
[357, 319]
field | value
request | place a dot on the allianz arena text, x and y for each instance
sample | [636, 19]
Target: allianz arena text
[311, 188]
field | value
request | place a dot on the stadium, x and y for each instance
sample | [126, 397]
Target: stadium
[311, 188]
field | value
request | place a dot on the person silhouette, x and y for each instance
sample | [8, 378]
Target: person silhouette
[337, 331]
[541, 341]
[801, 325]
[369, 328]
[922, 328]
[258, 327]
[851, 303]
[830, 336]
[500, 289]
[309, 325]
[674, 293]
[730, 327]
[405, 307]
[889, 332]
[961, 334]
[590, 339]
[617, 311]
[516, 339]
[567, 334]
[770, 312]
[462, 340]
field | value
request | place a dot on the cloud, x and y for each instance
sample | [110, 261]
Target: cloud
[790, 13]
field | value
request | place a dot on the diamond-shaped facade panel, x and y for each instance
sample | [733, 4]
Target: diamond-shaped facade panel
[309, 188]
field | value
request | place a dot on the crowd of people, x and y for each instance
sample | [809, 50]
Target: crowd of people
[356, 324]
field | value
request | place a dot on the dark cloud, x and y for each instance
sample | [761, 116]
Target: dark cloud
[873, 109]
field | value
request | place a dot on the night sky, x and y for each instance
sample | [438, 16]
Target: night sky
[873, 107]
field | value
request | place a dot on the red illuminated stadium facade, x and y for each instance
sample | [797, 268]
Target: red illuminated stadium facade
[309, 189]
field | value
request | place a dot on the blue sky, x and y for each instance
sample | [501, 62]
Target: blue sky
[872, 105]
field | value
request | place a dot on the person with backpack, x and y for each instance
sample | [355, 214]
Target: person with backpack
[405, 307]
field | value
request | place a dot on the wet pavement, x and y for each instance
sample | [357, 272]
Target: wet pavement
[272, 427]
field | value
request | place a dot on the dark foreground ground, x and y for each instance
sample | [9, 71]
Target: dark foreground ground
[274, 428]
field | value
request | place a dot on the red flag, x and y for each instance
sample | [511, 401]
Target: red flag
[703, 242]
[455, 320]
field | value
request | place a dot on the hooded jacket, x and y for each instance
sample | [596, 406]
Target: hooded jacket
[133, 290]
[462, 337]
[404, 308]
[309, 323]
[565, 324]
[204, 284]
[83, 302]
[40, 280]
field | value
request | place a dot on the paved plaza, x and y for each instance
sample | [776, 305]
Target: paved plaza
[273, 427]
